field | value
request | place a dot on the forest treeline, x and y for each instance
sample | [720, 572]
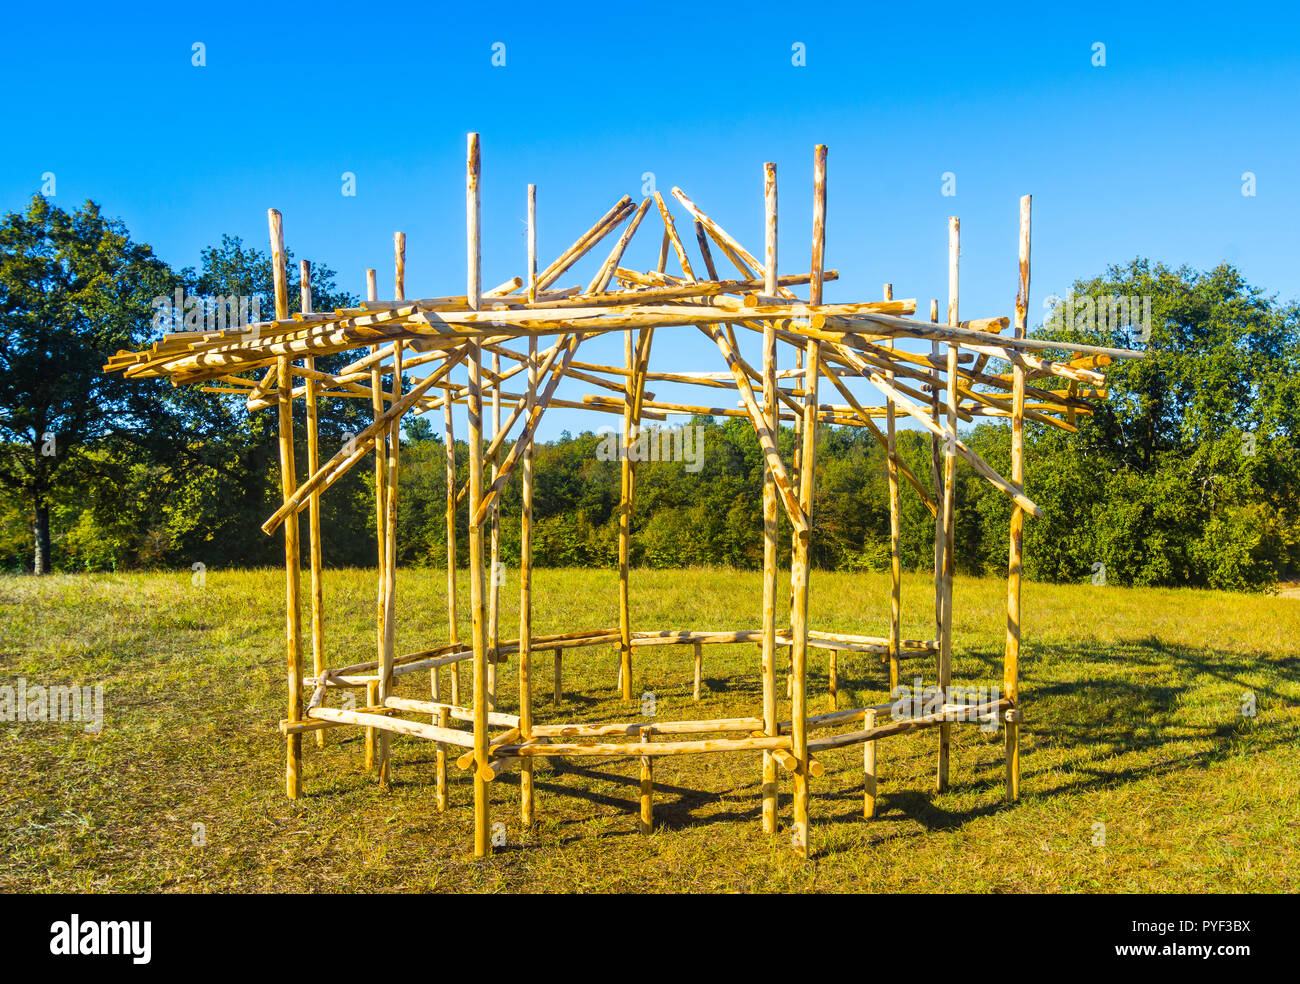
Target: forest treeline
[1188, 475]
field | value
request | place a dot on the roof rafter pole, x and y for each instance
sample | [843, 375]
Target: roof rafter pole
[914, 411]
[865, 417]
[288, 484]
[602, 278]
[1011, 656]
[770, 505]
[478, 605]
[584, 243]
[702, 238]
[740, 257]
[766, 435]
[570, 345]
[521, 405]
[949, 505]
[670, 227]
[360, 445]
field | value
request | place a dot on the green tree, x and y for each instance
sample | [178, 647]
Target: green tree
[74, 288]
[1188, 473]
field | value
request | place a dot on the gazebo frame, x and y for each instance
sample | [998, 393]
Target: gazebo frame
[831, 342]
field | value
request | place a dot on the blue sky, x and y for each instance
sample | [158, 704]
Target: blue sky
[1143, 156]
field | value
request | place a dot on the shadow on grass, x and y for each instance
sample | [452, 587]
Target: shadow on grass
[1125, 703]
[1124, 706]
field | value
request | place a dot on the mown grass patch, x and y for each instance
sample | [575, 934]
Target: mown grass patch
[1133, 720]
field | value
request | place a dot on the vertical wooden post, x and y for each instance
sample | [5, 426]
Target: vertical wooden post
[770, 504]
[478, 604]
[288, 485]
[801, 560]
[559, 680]
[440, 795]
[949, 505]
[647, 824]
[374, 739]
[372, 699]
[399, 266]
[895, 533]
[869, 769]
[494, 537]
[699, 669]
[390, 518]
[936, 473]
[453, 629]
[1011, 660]
[314, 527]
[527, 791]
[625, 522]
[795, 464]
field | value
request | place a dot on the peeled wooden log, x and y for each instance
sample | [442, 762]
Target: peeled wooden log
[381, 722]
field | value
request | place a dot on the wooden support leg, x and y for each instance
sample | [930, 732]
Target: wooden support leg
[699, 667]
[452, 628]
[803, 535]
[494, 538]
[386, 678]
[478, 601]
[834, 677]
[869, 769]
[625, 526]
[770, 504]
[527, 791]
[288, 486]
[1012, 752]
[647, 788]
[372, 699]
[391, 471]
[314, 517]
[949, 509]
[373, 750]
[895, 537]
[440, 796]
[559, 679]
[1011, 659]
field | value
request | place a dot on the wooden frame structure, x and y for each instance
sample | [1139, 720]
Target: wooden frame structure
[271, 364]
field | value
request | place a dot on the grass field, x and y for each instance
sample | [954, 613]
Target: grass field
[1133, 719]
